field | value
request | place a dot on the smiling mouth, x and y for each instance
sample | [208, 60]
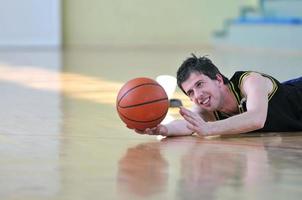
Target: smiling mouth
[205, 101]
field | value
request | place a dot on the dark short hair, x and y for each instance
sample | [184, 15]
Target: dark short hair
[202, 65]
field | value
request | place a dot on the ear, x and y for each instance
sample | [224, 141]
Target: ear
[219, 79]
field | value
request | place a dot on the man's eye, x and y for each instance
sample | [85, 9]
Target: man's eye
[199, 84]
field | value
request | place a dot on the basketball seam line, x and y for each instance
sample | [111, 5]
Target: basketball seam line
[145, 121]
[136, 87]
[140, 104]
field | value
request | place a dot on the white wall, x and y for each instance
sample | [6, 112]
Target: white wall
[27, 23]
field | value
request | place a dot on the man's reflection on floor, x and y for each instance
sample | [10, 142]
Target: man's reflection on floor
[142, 171]
[204, 171]
[212, 169]
[209, 169]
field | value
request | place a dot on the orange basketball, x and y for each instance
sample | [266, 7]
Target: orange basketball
[142, 103]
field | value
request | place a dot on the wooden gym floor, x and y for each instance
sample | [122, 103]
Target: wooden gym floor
[61, 138]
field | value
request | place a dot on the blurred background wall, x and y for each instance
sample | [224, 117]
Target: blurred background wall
[142, 22]
[135, 23]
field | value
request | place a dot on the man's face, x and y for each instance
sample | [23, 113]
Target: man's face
[204, 91]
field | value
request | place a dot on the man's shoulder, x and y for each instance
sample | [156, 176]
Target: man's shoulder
[238, 74]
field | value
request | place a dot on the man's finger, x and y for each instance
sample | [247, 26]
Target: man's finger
[139, 131]
[191, 127]
[184, 111]
[190, 119]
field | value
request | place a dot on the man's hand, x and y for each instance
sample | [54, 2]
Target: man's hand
[195, 122]
[158, 130]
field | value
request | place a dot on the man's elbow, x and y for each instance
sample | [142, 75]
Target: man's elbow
[259, 124]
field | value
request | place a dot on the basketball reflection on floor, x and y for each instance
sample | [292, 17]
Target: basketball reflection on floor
[142, 171]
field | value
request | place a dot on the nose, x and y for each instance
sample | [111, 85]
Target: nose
[198, 93]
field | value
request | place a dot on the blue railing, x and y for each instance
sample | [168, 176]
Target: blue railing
[269, 20]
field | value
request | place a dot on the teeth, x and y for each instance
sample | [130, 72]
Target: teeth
[206, 101]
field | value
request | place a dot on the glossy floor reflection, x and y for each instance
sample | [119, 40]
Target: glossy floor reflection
[61, 138]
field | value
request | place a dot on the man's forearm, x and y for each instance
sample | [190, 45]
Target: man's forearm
[178, 128]
[242, 123]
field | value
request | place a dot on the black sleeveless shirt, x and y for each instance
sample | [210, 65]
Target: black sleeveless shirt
[284, 106]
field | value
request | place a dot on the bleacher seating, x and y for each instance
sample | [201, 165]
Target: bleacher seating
[273, 24]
